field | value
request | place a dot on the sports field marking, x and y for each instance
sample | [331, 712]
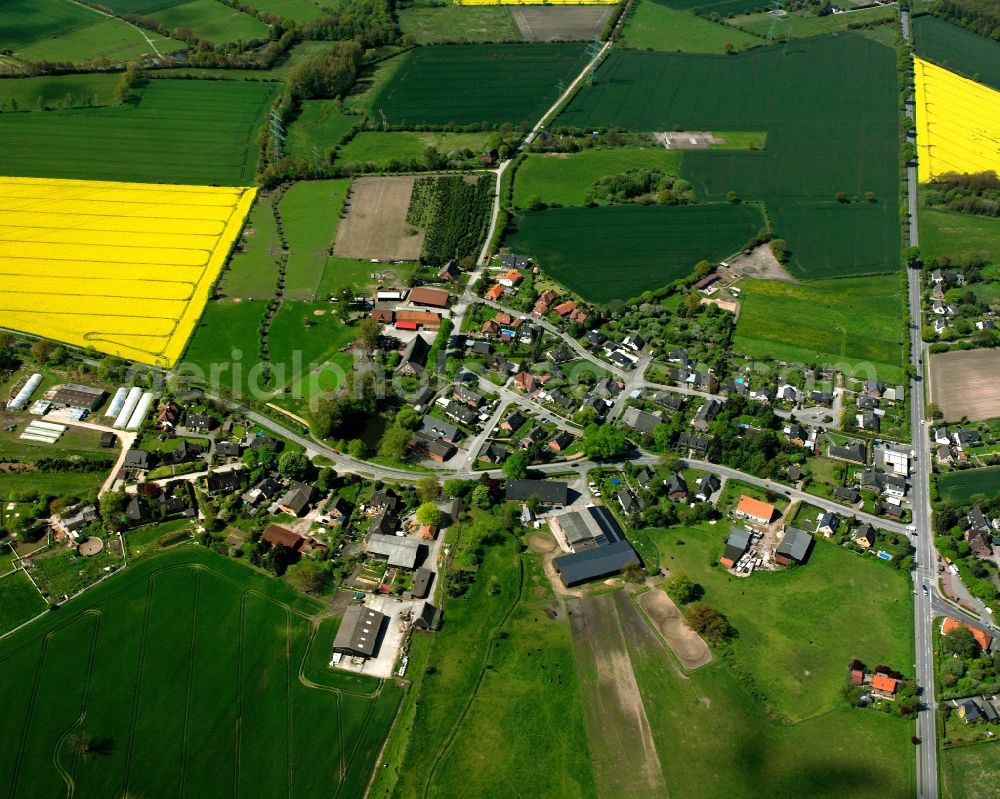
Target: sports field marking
[958, 123]
[125, 268]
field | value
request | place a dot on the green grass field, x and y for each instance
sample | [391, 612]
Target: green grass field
[339, 273]
[794, 26]
[180, 132]
[57, 90]
[19, 601]
[957, 49]
[76, 443]
[299, 10]
[948, 233]
[381, 147]
[60, 30]
[136, 665]
[213, 21]
[311, 214]
[566, 179]
[447, 24]
[724, 8]
[971, 772]
[812, 145]
[252, 273]
[798, 629]
[470, 84]
[657, 26]
[578, 246]
[843, 752]
[852, 322]
[958, 488]
[224, 328]
[319, 126]
[83, 485]
[524, 721]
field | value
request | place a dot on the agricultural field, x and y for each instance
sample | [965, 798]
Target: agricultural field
[61, 30]
[566, 179]
[657, 26]
[252, 270]
[970, 772]
[202, 132]
[319, 126]
[125, 268]
[299, 10]
[799, 25]
[962, 384]
[376, 147]
[958, 122]
[856, 323]
[946, 233]
[561, 22]
[724, 8]
[812, 144]
[224, 329]
[195, 716]
[477, 83]
[311, 214]
[957, 49]
[957, 488]
[57, 91]
[376, 226]
[577, 246]
[216, 22]
[451, 24]
[19, 601]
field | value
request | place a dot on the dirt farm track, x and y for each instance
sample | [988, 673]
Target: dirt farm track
[963, 384]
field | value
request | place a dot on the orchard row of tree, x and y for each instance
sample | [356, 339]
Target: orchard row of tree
[453, 213]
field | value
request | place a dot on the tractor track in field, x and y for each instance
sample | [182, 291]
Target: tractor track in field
[28, 715]
[190, 690]
[130, 749]
[239, 694]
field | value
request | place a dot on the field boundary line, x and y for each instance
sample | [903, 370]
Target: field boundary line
[124, 22]
[190, 684]
[130, 749]
[453, 733]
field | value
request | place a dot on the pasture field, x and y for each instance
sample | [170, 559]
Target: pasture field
[478, 83]
[561, 23]
[376, 226]
[77, 443]
[657, 26]
[970, 772]
[202, 132]
[724, 8]
[124, 268]
[948, 233]
[214, 21]
[800, 26]
[319, 126]
[504, 686]
[958, 122]
[377, 147]
[580, 247]
[83, 485]
[797, 628]
[843, 752]
[299, 10]
[566, 179]
[957, 488]
[957, 49]
[453, 23]
[963, 385]
[252, 271]
[55, 91]
[19, 601]
[60, 30]
[311, 214]
[224, 329]
[211, 654]
[812, 144]
[854, 322]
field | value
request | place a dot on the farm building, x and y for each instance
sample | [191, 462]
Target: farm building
[414, 356]
[595, 564]
[435, 298]
[359, 632]
[755, 510]
[794, 547]
[736, 546]
[74, 395]
[426, 617]
[549, 492]
[276, 535]
[422, 579]
[297, 499]
[587, 529]
[399, 550]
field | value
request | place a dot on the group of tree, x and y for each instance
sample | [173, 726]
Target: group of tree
[641, 185]
[328, 75]
[709, 623]
[603, 442]
[969, 193]
[979, 16]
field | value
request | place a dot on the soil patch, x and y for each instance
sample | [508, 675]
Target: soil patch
[560, 23]
[541, 542]
[685, 643]
[759, 263]
[964, 383]
[375, 226]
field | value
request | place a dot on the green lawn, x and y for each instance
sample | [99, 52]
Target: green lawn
[957, 488]
[798, 629]
[656, 26]
[971, 772]
[319, 126]
[855, 323]
[310, 211]
[796, 26]
[252, 271]
[578, 246]
[83, 485]
[75, 443]
[561, 179]
[226, 337]
[341, 272]
[379, 148]
[19, 601]
[57, 90]
[201, 132]
[945, 233]
[195, 715]
[450, 23]
[139, 541]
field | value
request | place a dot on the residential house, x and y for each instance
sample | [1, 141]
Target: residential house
[449, 271]
[228, 449]
[755, 510]
[852, 451]
[562, 441]
[821, 398]
[334, 512]
[635, 342]
[873, 388]
[168, 415]
[384, 500]
[534, 436]
[422, 579]
[460, 413]
[694, 442]
[788, 393]
[544, 301]
[885, 686]
[199, 422]
[967, 437]
[527, 382]
[436, 448]
[514, 422]
[982, 638]
[495, 292]
[276, 536]
[468, 396]
[266, 490]
[707, 413]
[510, 278]
[970, 712]
[707, 484]
[514, 262]
[138, 459]
[493, 453]
[226, 482]
[644, 477]
[828, 523]
[869, 420]
[669, 400]
[414, 356]
[848, 495]
[865, 536]
[296, 499]
[565, 308]
[596, 338]
[676, 488]
[433, 428]
[630, 502]
[796, 434]
[639, 420]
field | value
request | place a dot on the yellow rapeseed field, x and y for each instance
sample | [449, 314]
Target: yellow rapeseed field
[125, 268]
[958, 123]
